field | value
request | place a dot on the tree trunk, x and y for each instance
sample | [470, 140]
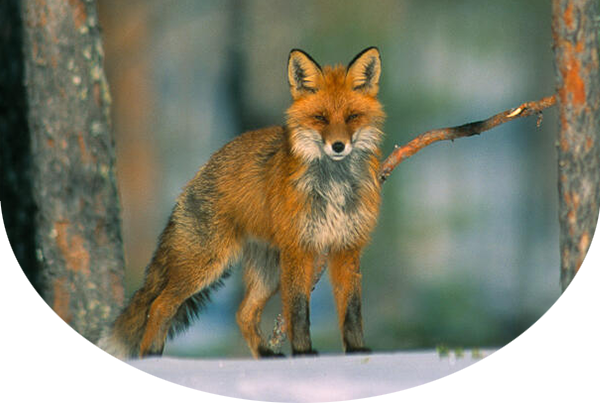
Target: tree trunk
[15, 158]
[578, 88]
[77, 238]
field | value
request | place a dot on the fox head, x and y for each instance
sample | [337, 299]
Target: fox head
[335, 110]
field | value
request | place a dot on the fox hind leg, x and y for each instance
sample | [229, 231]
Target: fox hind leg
[261, 276]
[192, 269]
[162, 310]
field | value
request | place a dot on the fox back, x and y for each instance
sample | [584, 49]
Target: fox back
[278, 199]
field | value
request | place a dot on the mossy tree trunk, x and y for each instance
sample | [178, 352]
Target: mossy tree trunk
[76, 226]
[575, 34]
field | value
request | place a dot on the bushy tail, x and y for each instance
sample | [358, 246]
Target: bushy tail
[124, 337]
[192, 307]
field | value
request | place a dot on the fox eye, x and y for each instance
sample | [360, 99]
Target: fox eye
[321, 119]
[350, 118]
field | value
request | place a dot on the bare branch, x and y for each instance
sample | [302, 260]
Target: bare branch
[451, 133]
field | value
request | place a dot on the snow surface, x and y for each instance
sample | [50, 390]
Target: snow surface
[499, 376]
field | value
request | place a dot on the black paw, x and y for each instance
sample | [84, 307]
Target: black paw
[152, 353]
[358, 350]
[265, 352]
[296, 353]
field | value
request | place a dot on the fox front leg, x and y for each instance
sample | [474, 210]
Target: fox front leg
[346, 281]
[296, 285]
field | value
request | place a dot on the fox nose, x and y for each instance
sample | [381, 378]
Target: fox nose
[338, 146]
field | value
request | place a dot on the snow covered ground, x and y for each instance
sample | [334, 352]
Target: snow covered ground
[488, 376]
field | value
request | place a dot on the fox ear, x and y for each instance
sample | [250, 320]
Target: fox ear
[303, 73]
[364, 71]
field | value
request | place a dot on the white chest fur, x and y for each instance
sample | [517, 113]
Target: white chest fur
[337, 216]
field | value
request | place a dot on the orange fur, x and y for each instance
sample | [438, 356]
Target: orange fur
[277, 198]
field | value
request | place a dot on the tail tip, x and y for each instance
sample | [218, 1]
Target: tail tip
[113, 346]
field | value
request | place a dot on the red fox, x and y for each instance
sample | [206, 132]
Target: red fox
[277, 199]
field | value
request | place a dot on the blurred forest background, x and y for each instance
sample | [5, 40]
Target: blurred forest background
[466, 250]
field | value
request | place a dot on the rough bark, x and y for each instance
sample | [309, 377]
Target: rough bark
[15, 158]
[77, 225]
[575, 38]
